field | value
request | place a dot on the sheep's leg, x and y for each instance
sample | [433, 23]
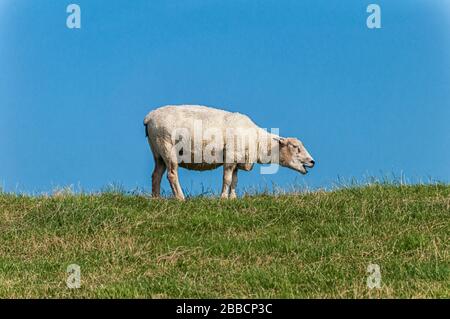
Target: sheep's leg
[172, 176]
[234, 181]
[227, 179]
[158, 172]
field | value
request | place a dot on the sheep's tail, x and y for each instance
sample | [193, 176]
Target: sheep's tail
[146, 121]
[146, 129]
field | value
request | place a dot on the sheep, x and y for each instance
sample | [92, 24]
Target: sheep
[203, 138]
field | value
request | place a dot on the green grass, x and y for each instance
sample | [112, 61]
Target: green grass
[288, 246]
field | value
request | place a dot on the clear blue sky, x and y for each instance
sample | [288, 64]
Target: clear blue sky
[365, 102]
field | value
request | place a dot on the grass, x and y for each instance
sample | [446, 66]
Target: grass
[314, 245]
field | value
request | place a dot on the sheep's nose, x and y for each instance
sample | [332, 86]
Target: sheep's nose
[313, 162]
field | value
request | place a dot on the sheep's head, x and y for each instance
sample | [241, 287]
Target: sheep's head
[294, 155]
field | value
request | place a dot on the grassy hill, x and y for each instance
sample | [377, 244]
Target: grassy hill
[306, 245]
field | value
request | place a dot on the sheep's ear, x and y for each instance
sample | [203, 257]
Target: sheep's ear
[280, 140]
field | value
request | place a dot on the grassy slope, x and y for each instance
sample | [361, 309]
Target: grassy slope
[315, 245]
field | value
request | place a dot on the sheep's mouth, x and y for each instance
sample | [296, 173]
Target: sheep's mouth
[303, 170]
[306, 167]
[299, 167]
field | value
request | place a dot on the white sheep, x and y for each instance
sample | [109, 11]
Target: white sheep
[203, 138]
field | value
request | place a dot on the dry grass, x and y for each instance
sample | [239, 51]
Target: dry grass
[310, 245]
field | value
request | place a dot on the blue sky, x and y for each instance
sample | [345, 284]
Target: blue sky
[364, 102]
